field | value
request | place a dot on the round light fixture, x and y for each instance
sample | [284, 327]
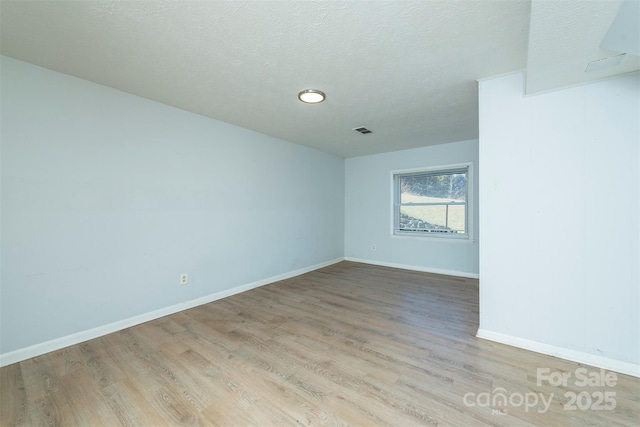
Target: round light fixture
[311, 96]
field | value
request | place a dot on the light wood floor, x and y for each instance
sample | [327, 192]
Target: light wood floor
[349, 344]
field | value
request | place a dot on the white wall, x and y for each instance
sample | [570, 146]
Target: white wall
[108, 197]
[368, 201]
[560, 220]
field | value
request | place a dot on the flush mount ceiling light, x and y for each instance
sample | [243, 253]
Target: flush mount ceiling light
[311, 96]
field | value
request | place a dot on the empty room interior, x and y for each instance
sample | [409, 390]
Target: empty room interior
[279, 213]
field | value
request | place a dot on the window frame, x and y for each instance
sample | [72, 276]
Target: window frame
[395, 205]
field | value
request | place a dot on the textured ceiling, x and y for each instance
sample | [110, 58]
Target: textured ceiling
[565, 36]
[405, 69]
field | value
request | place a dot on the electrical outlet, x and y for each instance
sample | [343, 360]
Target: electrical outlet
[373, 247]
[184, 278]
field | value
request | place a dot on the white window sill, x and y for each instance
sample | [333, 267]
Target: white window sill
[431, 237]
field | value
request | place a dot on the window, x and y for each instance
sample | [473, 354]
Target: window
[432, 202]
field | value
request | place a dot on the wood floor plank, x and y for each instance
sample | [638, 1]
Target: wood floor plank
[86, 400]
[235, 383]
[14, 408]
[66, 360]
[130, 405]
[350, 344]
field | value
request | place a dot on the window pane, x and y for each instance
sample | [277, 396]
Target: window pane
[432, 202]
[439, 218]
[433, 188]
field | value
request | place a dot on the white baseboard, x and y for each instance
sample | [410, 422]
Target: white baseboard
[627, 368]
[62, 342]
[416, 268]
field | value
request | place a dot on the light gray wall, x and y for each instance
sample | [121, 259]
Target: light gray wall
[107, 198]
[560, 220]
[368, 214]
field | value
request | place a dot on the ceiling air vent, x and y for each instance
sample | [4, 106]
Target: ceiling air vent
[363, 130]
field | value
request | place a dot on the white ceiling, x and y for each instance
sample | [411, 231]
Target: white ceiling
[565, 36]
[405, 69]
